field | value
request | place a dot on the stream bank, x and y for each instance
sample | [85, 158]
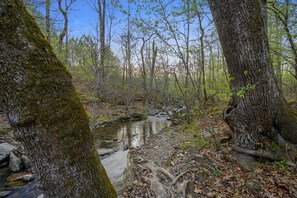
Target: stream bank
[196, 160]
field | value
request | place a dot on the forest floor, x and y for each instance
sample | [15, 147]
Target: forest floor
[196, 160]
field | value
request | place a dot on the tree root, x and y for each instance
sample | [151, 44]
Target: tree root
[262, 154]
[258, 153]
[160, 189]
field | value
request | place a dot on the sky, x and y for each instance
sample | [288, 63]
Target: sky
[83, 17]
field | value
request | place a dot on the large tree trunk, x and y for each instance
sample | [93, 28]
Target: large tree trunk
[44, 110]
[257, 108]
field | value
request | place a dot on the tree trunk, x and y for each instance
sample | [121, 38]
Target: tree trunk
[48, 20]
[101, 12]
[44, 110]
[202, 57]
[257, 107]
[143, 72]
[64, 32]
[152, 70]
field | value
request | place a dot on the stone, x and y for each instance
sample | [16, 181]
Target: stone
[26, 161]
[15, 163]
[104, 151]
[27, 177]
[119, 169]
[5, 193]
[15, 177]
[30, 190]
[5, 150]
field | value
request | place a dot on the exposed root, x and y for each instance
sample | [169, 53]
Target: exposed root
[181, 174]
[160, 189]
[262, 154]
[154, 168]
[258, 153]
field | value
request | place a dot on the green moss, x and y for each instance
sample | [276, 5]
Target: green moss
[15, 184]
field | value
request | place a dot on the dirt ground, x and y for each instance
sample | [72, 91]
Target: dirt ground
[197, 161]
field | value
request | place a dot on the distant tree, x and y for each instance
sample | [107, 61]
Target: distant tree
[102, 15]
[48, 19]
[282, 13]
[257, 107]
[44, 110]
[65, 31]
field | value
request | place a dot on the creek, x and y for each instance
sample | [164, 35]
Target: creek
[113, 143]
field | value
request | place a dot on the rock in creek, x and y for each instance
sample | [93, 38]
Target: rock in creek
[104, 151]
[31, 190]
[15, 163]
[25, 160]
[119, 169]
[5, 193]
[5, 150]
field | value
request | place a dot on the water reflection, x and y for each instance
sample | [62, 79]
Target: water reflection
[131, 134]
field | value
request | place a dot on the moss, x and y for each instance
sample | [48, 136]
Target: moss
[138, 116]
[15, 184]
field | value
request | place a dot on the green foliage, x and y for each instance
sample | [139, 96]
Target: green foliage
[283, 164]
[244, 90]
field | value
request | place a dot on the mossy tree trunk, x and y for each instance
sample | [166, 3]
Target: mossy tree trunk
[43, 108]
[257, 108]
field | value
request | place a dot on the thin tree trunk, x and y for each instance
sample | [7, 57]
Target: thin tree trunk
[64, 32]
[284, 18]
[48, 20]
[153, 64]
[101, 12]
[45, 112]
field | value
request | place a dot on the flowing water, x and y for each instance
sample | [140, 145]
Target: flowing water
[112, 143]
[132, 134]
[116, 139]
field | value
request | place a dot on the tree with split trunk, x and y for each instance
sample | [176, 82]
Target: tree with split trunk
[44, 110]
[65, 31]
[257, 108]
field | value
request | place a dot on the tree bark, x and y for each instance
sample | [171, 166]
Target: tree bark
[44, 110]
[101, 12]
[48, 20]
[257, 107]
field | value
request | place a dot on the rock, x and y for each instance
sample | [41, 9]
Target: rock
[197, 157]
[104, 151]
[119, 169]
[31, 190]
[26, 161]
[27, 177]
[15, 163]
[5, 193]
[15, 177]
[5, 150]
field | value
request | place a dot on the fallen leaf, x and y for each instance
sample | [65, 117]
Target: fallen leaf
[198, 190]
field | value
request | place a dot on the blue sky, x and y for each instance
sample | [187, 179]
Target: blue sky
[83, 17]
